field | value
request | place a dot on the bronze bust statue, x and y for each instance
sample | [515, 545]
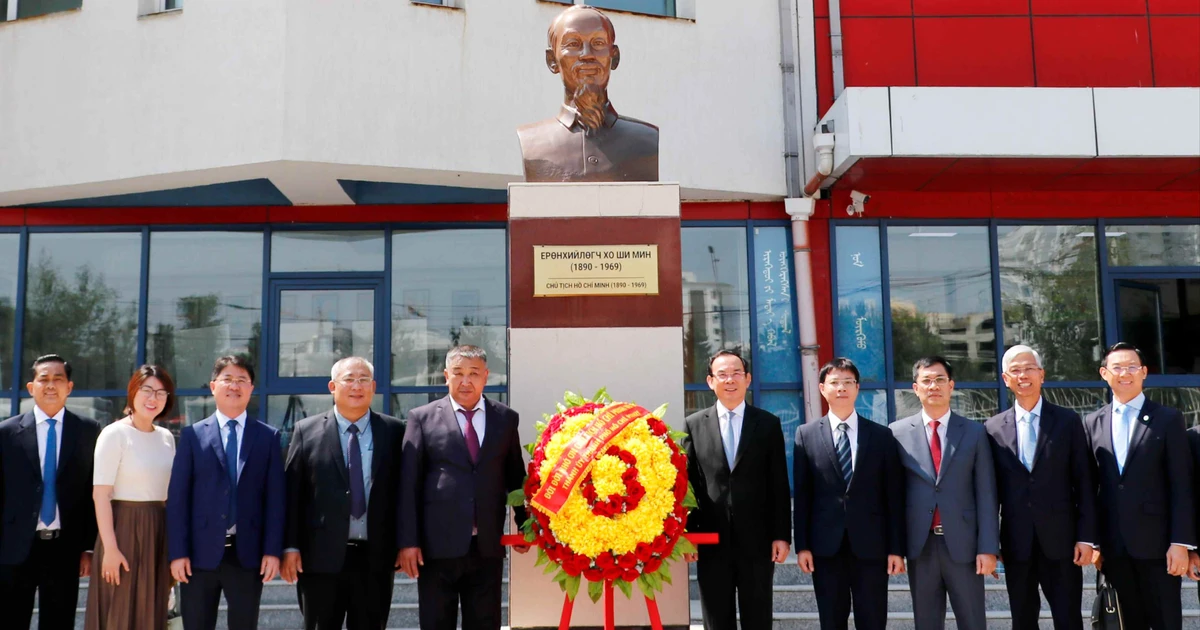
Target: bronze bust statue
[588, 141]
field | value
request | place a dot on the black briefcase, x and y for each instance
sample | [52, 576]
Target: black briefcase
[1106, 611]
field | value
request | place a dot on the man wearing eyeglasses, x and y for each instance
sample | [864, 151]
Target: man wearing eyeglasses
[952, 513]
[341, 542]
[1145, 500]
[225, 505]
[849, 506]
[1047, 498]
[738, 470]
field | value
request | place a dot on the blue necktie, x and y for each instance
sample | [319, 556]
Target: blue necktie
[1028, 440]
[50, 475]
[845, 459]
[730, 445]
[1121, 435]
[358, 492]
[231, 449]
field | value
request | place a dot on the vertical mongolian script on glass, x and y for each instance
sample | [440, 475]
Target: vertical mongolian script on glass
[858, 328]
[776, 359]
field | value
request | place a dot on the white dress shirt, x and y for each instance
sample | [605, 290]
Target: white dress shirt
[1135, 407]
[851, 434]
[739, 415]
[223, 424]
[1035, 424]
[478, 420]
[43, 431]
[943, 424]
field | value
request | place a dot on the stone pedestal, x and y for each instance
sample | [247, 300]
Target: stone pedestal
[631, 344]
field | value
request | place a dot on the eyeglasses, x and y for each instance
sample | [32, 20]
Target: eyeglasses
[729, 376]
[160, 394]
[930, 382]
[1124, 369]
[227, 381]
[1019, 372]
[361, 381]
[836, 383]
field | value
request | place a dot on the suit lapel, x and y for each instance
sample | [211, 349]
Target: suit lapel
[954, 434]
[449, 420]
[1139, 430]
[333, 440]
[28, 440]
[919, 445]
[712, 448]
[381, 449]
[210, 434]
[70, 435]
[1105, 438]
[864, 440]
[748, 426]
[828, 446]
[491, 432]
[1008, 432]
[249, 442]
[1047, 425]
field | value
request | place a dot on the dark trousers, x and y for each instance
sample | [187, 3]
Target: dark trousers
[51, 570]
[1061, 581]
[201, 595]
[473, 580]
[842, 581]
[730, 581]
[1149, 596]
[359, 596]
[933, 575]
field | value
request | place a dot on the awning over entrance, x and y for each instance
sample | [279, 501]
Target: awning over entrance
[963, 139]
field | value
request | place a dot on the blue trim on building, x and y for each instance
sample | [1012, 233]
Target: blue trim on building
[376, 193]
[250, 192]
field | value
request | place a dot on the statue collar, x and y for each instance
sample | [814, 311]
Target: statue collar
[569, 116]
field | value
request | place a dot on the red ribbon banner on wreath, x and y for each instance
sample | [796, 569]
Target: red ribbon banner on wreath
[577, 457]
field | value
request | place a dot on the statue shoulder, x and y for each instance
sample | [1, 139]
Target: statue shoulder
[642, 125]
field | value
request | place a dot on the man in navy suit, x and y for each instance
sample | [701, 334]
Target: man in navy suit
[226, 505]
[1144, 467]
[462, 456]
[849, 489]
[48, 522]
[1047, 498]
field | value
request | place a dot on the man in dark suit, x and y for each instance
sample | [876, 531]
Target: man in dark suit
[226, 506]
[738, 469]
[341, 542]
[952, 513]
[462, 456]
[48, 523]
[1047, 497]
[849, 506]
[1145, 503]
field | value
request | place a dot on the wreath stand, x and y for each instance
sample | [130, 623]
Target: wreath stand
[609, 617]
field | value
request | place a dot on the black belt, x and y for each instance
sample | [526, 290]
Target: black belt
[48, 534]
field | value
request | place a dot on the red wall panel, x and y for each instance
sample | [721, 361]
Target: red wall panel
[878, 51]
[1174, 7]
[821, 8]
[824, 66]
[1175, 42]
[876, 8]
[945, 8]
[993, 51]
[1092, 52]
[1088, 7]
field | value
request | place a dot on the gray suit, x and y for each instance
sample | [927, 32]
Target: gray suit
[964, 493]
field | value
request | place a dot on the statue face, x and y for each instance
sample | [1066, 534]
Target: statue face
[584, 52]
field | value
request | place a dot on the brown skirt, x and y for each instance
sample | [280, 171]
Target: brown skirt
[140, 601]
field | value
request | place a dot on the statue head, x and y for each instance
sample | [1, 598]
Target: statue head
[581, 46]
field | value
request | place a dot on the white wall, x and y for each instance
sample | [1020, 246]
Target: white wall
[98, 101]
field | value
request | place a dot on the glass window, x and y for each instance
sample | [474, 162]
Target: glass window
[103, 409]
[941, 299]
[653, 7]
[1049, 296]
[317, 328]
[9, 252]
[872, 404]
[327, 251]
[776, 356]
[1161, 316]
[34, 8]
[1153, 245]
[81, 301]
[1185, 399]
[859, 317]
[449, 287]
[404, 403]
[205, 301]
[716, 300]
[193, 409]
[975, 404]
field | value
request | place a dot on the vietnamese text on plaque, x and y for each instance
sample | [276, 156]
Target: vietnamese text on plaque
[566, 270]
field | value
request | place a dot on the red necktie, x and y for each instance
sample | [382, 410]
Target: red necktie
[472, 437]
[935, 449]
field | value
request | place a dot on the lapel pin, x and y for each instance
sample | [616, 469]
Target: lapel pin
[1146, 419]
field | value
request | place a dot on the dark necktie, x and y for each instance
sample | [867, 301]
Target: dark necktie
[471, 436]
[358, 492]
[935, 449]
[231, 450]
[843, 451]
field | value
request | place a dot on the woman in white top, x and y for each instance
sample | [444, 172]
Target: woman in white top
[132, 471]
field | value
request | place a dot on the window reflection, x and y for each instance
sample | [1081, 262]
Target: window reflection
[81, 301]
[1185, 399]
[1153, 245]
[1161, 316]
[716, 302]
[205, 301]
[973, 404]
[102, 409]
[327, 251]
[319, 328]
[449, 287]
[9, 251]
[873, 404]
[1049, 296]
[941, 299]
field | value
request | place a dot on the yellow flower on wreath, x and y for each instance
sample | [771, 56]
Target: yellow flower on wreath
[588, 534]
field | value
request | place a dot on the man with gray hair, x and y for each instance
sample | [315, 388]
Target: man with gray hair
[462, 456]
[343, 476]
[1047, 497]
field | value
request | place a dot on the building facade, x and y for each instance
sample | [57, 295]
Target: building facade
[302, 180]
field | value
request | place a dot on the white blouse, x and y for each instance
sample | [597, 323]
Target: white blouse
[136, 464]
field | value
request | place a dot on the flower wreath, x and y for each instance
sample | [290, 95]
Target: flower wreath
[622, 501]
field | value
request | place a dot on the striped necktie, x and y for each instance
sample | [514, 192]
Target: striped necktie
[843, 451]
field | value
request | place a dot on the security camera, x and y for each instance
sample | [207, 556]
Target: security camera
[858, 203]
